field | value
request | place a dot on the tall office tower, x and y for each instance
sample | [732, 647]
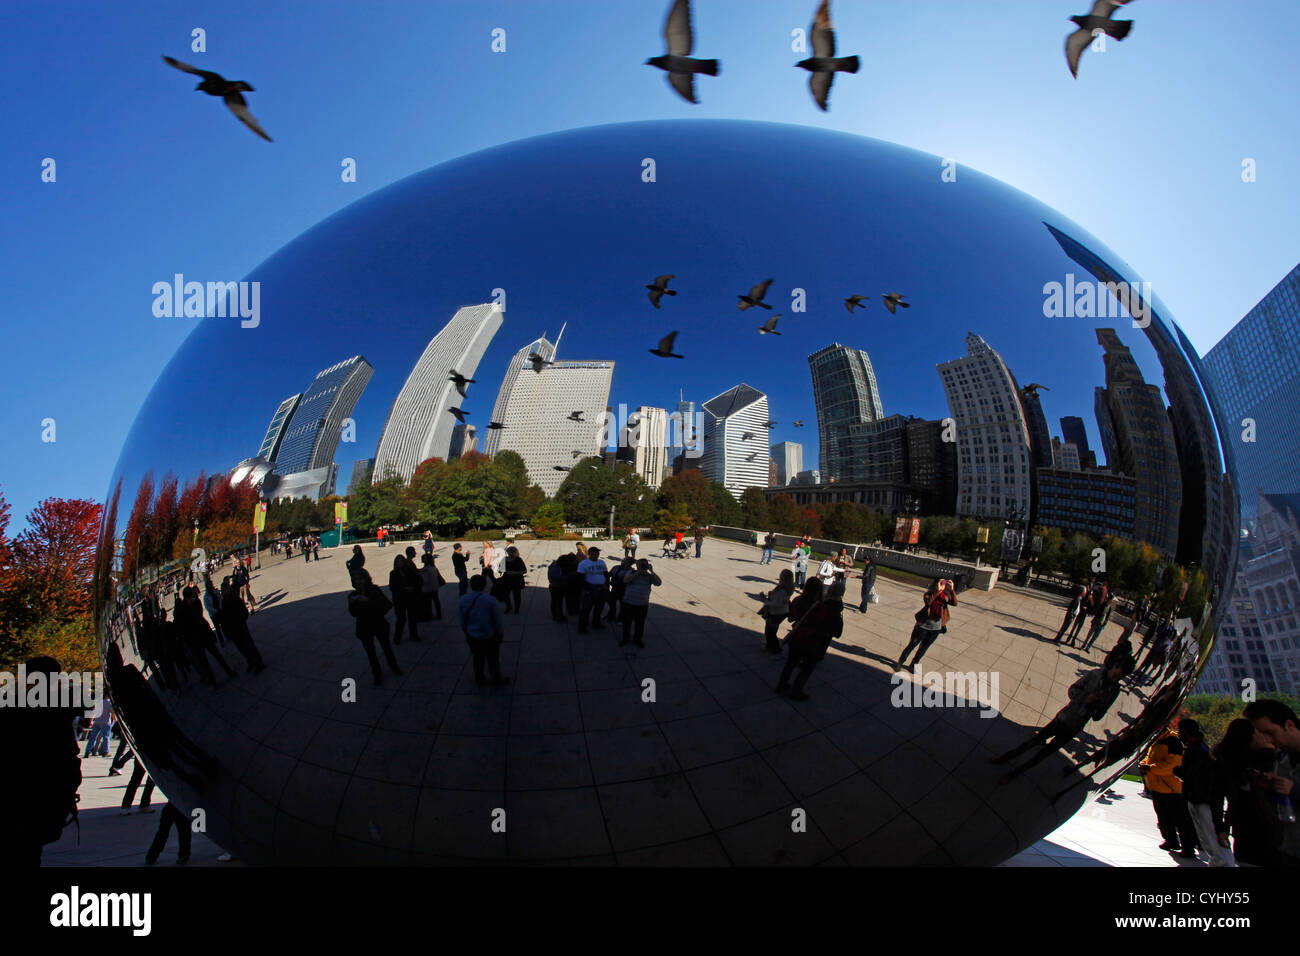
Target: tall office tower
[932, 464]
[1139, 442]
[464, 438]
[361, 470]
[419, 426]
[1040, 436]
[518, 365]
[1206, 532]
[1239, 649]
[789, 461]
[275, 431]
[312, 435]
[682, 430]
[1255, 373]
[1074, 432]
[772, 473]
[536, 408]
[844, 394]
[738, 447]
[992, 435]
[882, 449]
[1065, 455]
[645, 438]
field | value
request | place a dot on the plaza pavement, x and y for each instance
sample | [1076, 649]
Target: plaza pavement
[587, 772]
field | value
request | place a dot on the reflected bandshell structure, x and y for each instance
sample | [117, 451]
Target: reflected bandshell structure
[1009, 400]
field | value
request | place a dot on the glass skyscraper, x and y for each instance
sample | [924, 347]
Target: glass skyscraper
[312, 435]
[1255, 373]
[275, 431]
[845, 394]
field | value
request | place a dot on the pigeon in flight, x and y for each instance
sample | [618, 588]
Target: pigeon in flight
[577, 455]
[460, 414]
[855, 301]
[755, 296]
[797, 423]
[770, 424]
[824, 64]
[665, 349]
[1033, 387]
[894, 299]
[576, 417]
[751, 456]
[539, 363]
[495, 426]
[214, 84]
[769, 327]
[659, 289]
[559, 468]
[461, 381]
[679, 64]
[1099, 19]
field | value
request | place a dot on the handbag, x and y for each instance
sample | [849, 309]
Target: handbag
[873, 597]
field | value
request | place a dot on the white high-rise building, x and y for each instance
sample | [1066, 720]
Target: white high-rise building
[538, 413]
[992, 434]
[738, 447]
[418, 425]
[517, 366]
[788, 456]
[645, 437]
[1065, 455]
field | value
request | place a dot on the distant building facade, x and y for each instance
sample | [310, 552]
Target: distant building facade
[845, 394]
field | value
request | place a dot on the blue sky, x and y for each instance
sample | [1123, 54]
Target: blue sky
[1144, 150]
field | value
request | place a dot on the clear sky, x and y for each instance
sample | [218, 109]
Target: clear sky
[1145, 150]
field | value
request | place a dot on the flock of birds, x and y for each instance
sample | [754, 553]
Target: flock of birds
[682, 68]
[751, 299]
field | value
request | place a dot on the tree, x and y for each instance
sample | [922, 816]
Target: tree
[783, 514]
[587, 492]
[843, 521]
[670, 520]
[520, 502]
[548, 520]
[531, 500]
[726, 509]
[692, 492]
[55, 557]
[475, 497]
[753, 503]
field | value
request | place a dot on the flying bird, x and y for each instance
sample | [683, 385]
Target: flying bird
[797, 423]
[576, 417]
[770, 424]
[559, 468]
[539, 363]
[894, 299]
[665, 349]
[769, 327]
[659, 289]
[854, 301]
[746, 436]
[1033, 387]
[495, 426]
[755, 296]
[680, 66]
[460, 414]
[461, 381]
[1098, 19]
[824, 64]
[577, 455]
[751, 456]
[214, 84]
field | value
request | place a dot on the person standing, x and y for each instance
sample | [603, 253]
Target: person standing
[487, 562]
[1241, 760]
[234, 619]
[171, 816]
[868, 583]
[1074, 608]
[827, 572]
[636, 601]
[699, 541]
[514, 571]
[101, 730]
[428, 542]
[810, 639]
[483, 624]
[1100, 617]
[931, 621]
[1175, 824]
[769, 545]
[595, 578]
[459, 562]
[1085, 612]
[776, 608]
[212, 604]
[315, 547]
[430, 581]
[368, 605]
[1198, 776]
[617, 587]
[405, 599]
[138, 775]
[556, 584]
[800, 566]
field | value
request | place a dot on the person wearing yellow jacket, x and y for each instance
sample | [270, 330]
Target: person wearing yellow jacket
[1167, 794]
